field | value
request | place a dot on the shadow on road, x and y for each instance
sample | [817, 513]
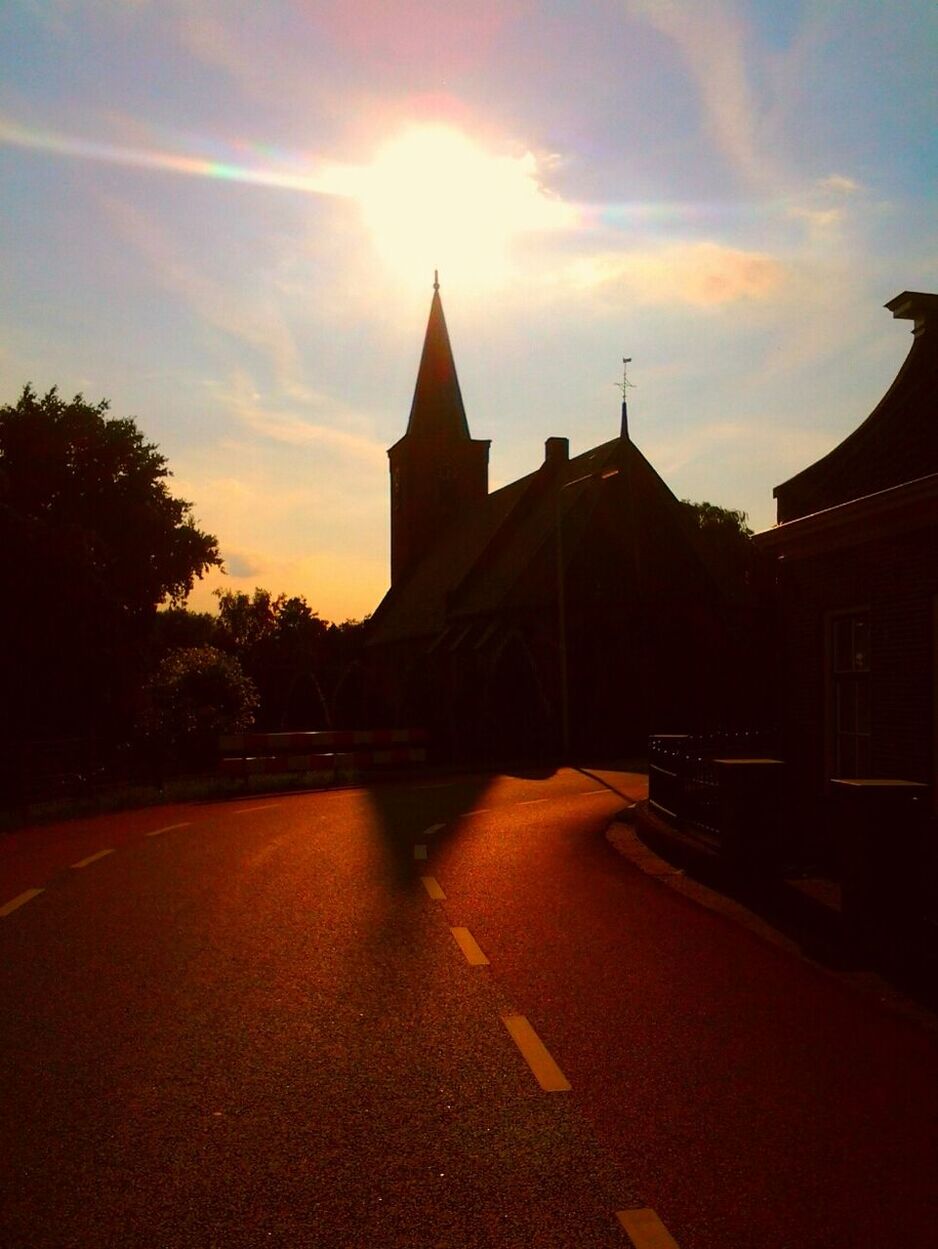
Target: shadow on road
[403, 810]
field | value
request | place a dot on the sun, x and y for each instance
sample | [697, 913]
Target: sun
[434, 198]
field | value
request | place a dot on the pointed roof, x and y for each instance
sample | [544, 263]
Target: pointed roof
[437, 410]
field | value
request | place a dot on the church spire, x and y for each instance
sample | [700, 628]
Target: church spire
[439, 473]
[437, 410]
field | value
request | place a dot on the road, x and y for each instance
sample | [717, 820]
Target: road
[441, 1014]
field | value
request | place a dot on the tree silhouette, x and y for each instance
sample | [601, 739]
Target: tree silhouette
[91, 542]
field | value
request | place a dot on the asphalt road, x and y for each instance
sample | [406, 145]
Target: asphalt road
[259, 1027]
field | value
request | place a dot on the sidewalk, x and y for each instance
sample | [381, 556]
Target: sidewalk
[801, 914]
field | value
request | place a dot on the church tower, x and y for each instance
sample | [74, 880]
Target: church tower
[438, 471]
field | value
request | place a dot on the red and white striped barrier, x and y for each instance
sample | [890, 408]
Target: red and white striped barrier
[335, 751]
[321, 741]
[257, 765]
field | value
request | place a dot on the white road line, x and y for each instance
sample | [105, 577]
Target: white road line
[434, 828]
[20, 900]
[479, 811]
[645, 1229]
[470, 947]
[420, 852]
[268, 806]
[529, 802]
[433, 889]
[169, 828]
[585, 793]
[536, 1055]
[93, 858]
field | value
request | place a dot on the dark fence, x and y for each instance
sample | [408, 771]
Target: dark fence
[711, 782]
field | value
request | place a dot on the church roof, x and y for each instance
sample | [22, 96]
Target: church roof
[487, 561]
[437, 410]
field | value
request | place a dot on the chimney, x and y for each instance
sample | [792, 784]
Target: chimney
[916, 306]
[556, 452]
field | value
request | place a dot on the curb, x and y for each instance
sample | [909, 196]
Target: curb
[827, 954]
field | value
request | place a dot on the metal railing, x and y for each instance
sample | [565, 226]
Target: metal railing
[683, 780]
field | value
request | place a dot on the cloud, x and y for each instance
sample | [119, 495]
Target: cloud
[823, 205]
[819, 218]
[712, 41]
[839, 184]
[702, 274]
[250, 323]
[282, 425]
[240, 564]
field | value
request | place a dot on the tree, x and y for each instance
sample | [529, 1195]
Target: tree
[91, 542]
[72, 470]
[196, 694]
[723, 538]
[280, 642]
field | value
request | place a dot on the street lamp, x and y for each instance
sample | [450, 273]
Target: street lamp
[562, 606]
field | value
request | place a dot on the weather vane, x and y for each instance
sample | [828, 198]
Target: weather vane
[625, 386]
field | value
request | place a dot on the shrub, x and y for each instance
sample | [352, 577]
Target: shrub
[195, 694]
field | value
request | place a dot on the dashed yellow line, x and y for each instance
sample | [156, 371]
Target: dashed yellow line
[536, 1055]
[470, 947]
[92, 858]
[433, 889]
[645, 1229]
[20, 900]
[169, 828]
[420, 852]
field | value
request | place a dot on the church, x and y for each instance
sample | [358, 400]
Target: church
[567, 613]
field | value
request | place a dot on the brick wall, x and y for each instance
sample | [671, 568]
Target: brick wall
[897, 582]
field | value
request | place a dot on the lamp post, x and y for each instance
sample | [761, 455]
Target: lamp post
[562, 605]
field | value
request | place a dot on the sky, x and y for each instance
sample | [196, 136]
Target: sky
[224, 217]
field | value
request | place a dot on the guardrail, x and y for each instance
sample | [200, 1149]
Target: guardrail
[720, 784]
[332, 751]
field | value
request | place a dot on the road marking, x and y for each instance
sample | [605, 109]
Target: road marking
[420, 852]
[469, 946]
[528, 802]
[92, 858]
[433, 889]
[645, 1229]
[585, 793]
[536, 1055]
[20, 900]
[268, 806]
[169, 828]
[434, 828]
[479, 811]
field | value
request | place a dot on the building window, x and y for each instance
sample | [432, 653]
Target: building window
[850, 654]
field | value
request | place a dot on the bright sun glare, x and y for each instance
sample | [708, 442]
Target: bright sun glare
[434, 198]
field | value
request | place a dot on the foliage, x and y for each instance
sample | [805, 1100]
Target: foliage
[723, 537]
[298, 660]
[195, 694]
[94, 481]
[178, 627]
[91, 541]
[710, 518]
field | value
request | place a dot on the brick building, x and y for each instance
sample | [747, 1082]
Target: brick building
[855, 560]
[571, 609]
